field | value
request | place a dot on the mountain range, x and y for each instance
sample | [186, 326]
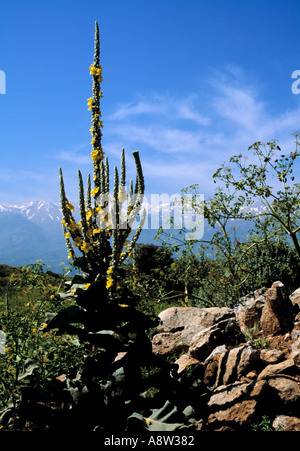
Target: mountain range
[33, 231]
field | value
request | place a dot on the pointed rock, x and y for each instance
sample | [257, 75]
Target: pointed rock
[277, 314]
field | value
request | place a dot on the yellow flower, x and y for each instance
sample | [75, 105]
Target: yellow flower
[97, 155]
[109, 271]
[90, 103]
[70, 255]
[123, 305]
[86, 247]
[44, 326]
[67, 235]
[94, 191]
[70, 206]
[97, 71]
[52, 296]
[63, 222]
[109, 283]
[87, 285]
[73, 292]
[96, 231]
[89, 214]
[34, 330]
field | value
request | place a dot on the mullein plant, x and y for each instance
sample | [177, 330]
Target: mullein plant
[106, 390]
[102, 234]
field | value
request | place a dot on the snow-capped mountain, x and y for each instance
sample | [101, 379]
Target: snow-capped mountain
[32, 231]
[39, 211]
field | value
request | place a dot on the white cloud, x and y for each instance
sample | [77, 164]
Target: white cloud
[162, 106]
[183, 141]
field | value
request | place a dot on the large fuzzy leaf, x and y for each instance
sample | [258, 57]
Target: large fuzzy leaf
[167, 418]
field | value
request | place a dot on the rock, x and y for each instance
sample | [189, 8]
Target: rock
[224, 332]
[286, 367]
[277, 314]
[241, 382]
[248, 312]
[179, 326]
[285, 423]
[179, 318]
[271, 355]
[236, 363]
[285, 394]
[235, 406]
[211, 365]
[185, 361]
[295, 297]
[168, 343]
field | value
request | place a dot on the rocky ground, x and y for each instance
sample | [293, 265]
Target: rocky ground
[248, 356]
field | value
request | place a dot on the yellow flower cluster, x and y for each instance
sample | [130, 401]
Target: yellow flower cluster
[97, 155]
[90, 103]
[109, 282]
[70, 206]
[95, 191]
[97, 71]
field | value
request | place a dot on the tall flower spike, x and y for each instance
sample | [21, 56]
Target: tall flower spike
[101, 235]
[94, 104]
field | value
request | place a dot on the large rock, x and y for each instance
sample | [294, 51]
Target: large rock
[224, 332]
[236, 363]
[277, 314]
[194, 318]
[285, 394]
[287, 367]
[211, 365]
[271, 356]
[235, 406]
[286, 423]
[179, 325]
[249, 310]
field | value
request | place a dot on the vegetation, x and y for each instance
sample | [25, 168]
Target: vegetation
[77, 351]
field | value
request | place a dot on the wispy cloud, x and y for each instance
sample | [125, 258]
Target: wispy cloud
[182, 141]
[185, 140]
[162, 106]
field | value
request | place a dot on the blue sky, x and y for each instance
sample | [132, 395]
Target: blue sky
[188, 83]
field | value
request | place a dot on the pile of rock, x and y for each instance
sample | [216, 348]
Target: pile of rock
[249, 356]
